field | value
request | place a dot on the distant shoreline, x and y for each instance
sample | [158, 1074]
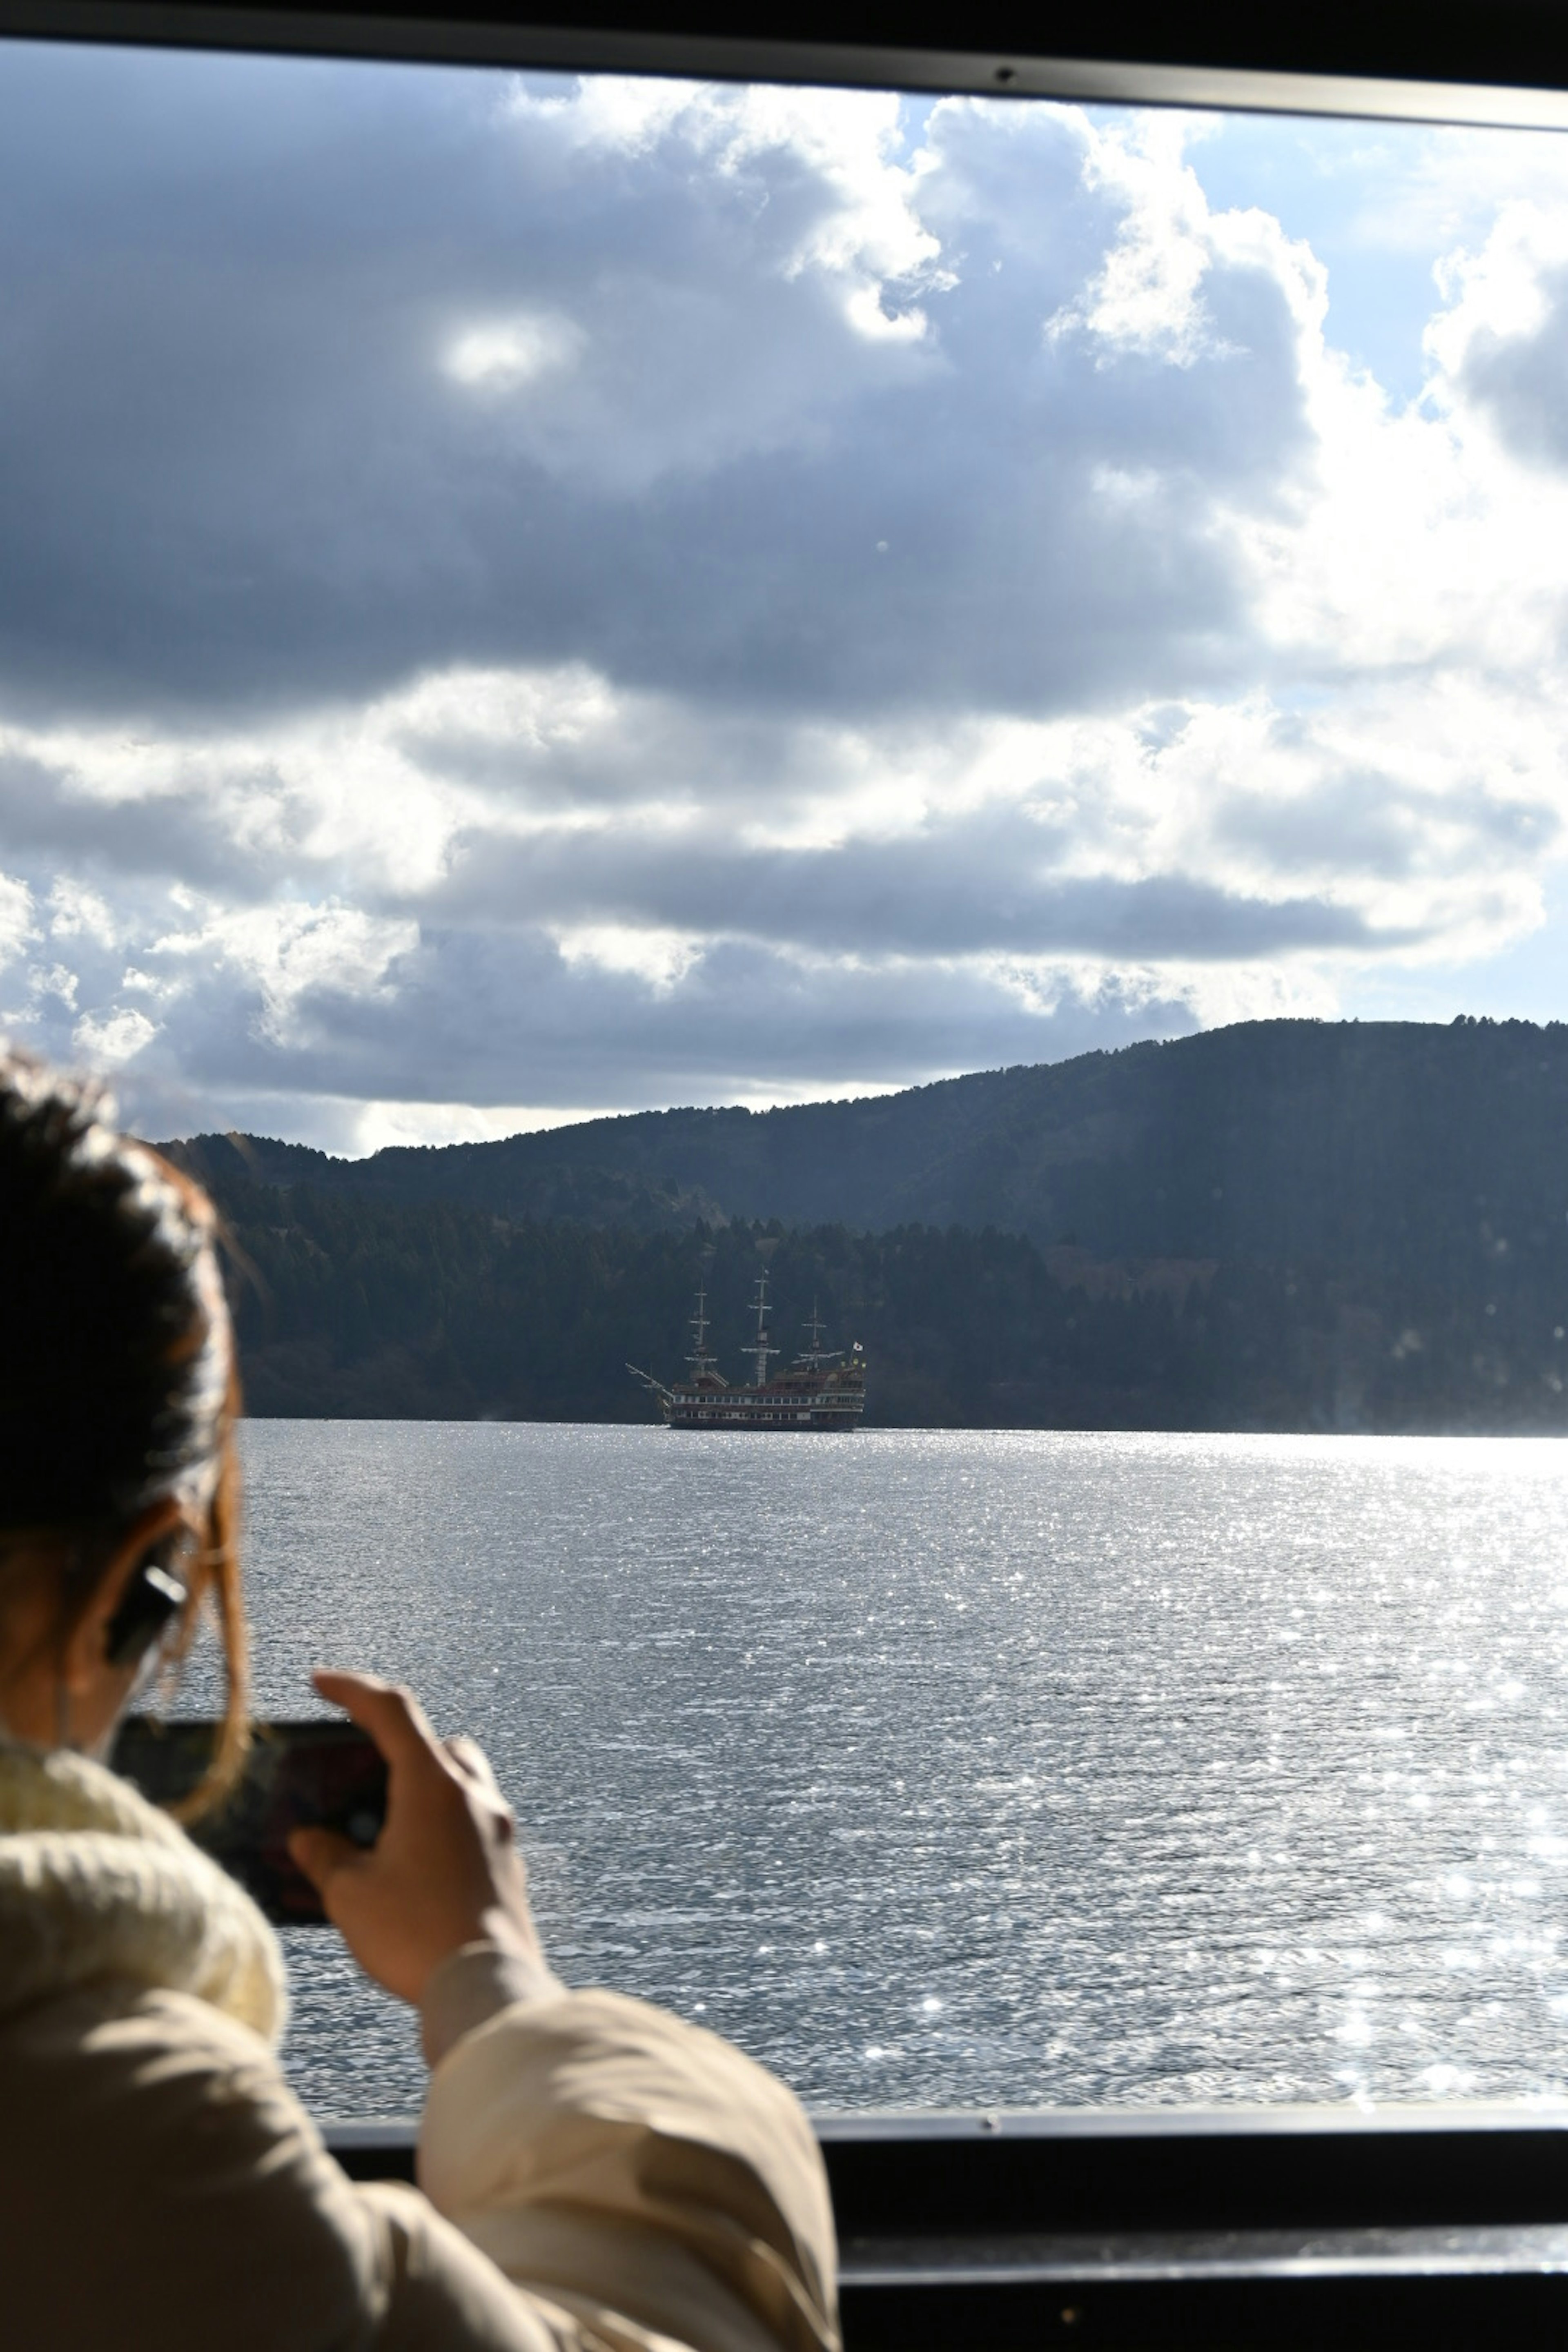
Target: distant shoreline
[1290, 1227]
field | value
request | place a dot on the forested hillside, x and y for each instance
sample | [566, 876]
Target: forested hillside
[1284, 1225]
[1402, 1152]
[352, 1307]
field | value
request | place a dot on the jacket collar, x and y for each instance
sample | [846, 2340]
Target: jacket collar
[96, 1883]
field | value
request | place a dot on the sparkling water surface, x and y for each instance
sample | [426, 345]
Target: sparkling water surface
[955, 1768]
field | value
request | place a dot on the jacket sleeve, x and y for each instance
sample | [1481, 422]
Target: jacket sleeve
[630, 2171]
[643, 2186]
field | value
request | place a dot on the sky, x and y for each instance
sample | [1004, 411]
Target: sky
[526, 597]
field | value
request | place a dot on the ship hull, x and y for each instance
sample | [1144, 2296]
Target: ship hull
[776, 1409]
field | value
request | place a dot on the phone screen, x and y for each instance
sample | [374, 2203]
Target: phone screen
[318, 1771]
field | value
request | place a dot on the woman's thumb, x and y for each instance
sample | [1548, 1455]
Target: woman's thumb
[321, 1854]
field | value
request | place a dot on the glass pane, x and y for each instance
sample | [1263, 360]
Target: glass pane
[1010, 655]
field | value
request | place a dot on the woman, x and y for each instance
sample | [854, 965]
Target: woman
[595, 2174]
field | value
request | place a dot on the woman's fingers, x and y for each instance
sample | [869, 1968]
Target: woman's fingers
[470, 1758]
[475, 1767]
[444, 1871]
[323, 1854]
[398, 1725]
[393, 1716]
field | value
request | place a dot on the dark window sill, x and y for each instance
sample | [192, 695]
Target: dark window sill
[1282, 2226]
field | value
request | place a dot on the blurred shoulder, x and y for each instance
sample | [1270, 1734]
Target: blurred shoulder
[131, 2067]
[153, 2163]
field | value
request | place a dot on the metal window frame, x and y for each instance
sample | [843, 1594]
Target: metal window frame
[1465, 61]
[1147, 2228]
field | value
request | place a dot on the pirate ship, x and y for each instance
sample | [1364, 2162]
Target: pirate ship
[820, 1389]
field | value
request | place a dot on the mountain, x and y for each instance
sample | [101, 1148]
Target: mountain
[1280, 1225]
[1413, 1150]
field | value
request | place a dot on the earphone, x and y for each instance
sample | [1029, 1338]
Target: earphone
[152, 1598]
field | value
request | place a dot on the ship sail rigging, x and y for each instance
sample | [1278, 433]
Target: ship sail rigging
[760, 1349]
[812, 1359]
[703, 1365]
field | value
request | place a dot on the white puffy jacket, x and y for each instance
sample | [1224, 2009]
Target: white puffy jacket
[595, 2174]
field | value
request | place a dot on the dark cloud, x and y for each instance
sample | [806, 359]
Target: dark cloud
[492, 1017]
[243, 478]
[986, 885]
[1368, 823]
[196, 834]
[1521, 381]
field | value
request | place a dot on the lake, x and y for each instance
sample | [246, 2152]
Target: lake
[956, 1769]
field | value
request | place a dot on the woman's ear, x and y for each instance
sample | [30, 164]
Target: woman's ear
[84, 1669]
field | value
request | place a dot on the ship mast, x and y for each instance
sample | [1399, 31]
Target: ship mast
[703, 1365]
[760, 1350]
[813, 1359]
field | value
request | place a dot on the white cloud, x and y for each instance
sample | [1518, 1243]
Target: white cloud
[1146, 295]
[292, 952]
[55, 983]
[1437, 192]
[1498, 291]
[109, 1041]
[374, 1126]
[16, 930]
[505, 354]
[660, 959]
[77, 912]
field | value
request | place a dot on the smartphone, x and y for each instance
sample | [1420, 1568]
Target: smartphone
[320, 1771]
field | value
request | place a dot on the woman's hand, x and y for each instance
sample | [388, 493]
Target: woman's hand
[444, 1871]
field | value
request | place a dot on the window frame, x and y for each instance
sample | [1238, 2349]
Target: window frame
[1147, 2226]
[1504, 64]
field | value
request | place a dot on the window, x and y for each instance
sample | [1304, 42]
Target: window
[540, 600]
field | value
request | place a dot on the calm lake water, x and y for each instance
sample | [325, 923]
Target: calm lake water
[958, 1770]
